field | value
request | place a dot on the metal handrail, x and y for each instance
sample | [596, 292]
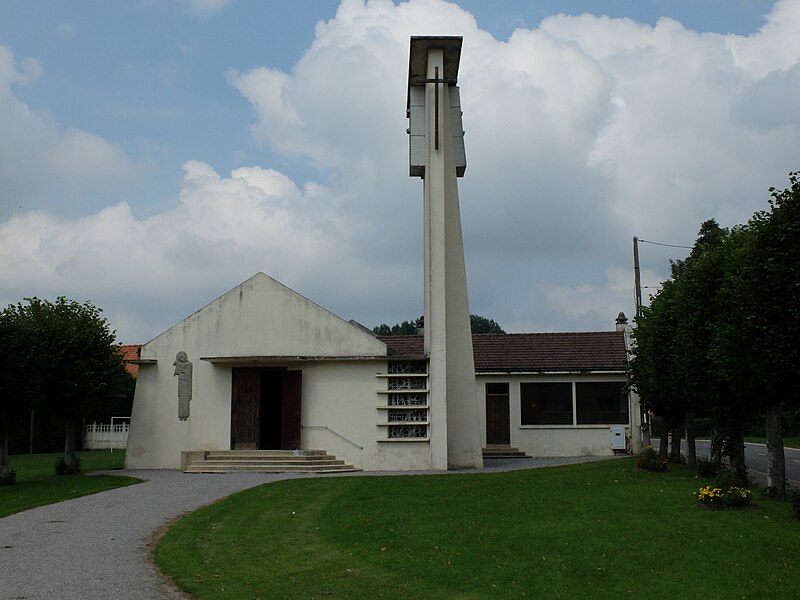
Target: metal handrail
[334, 432]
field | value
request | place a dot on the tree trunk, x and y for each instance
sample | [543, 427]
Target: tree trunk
[5, 466]
[776, 469]
[70, 454]
[691, 452]
[716, 448]
[736, 457]
[675, 449]
[663, 447]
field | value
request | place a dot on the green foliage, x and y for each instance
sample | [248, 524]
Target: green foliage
[794, 497]
[731, 496]
[58, 357]
[478, 324]
[8, 477]
[707, 468]
[404, 328]
[651, 461]
[719, 340]
[62, 468]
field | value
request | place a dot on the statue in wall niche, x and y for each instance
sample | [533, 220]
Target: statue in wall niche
[183, 370]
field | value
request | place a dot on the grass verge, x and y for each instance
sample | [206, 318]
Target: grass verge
[788, 442]
[583, 531]
[37, 484]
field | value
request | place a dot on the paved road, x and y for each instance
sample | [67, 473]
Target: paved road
[96, 547]
[755, 456]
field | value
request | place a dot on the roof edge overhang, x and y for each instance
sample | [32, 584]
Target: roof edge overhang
[567, 372]
[288, 358]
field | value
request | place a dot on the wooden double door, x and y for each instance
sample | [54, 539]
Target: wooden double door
[265, 409]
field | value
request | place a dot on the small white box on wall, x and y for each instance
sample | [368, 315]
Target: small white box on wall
[618, 440]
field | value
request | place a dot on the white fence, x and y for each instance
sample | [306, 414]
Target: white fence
[105, 436]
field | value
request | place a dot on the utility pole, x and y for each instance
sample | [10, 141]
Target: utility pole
[637, 282]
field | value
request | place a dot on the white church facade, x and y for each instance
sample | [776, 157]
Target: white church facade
[272, 370]
[262, 368]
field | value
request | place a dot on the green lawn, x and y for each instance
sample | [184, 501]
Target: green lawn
[598, 530]
[788, 442]
[37, 484]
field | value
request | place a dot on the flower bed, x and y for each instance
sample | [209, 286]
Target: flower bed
[651, 461]
[731, 496]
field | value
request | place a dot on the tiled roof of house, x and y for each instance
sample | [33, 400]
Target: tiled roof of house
[533, 352]
[130, 352]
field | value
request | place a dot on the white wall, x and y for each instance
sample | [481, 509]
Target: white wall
[343, 395]
[556, 440]
[259, 318]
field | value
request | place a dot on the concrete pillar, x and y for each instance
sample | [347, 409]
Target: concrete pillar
[448, 340]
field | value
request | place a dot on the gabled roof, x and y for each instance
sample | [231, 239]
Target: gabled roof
[532, 352]
[262, 319]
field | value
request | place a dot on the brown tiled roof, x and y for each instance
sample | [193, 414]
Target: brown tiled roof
[404, 345]
[533, 352]
[130, 352]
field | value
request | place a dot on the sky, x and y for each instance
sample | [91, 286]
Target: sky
[156, 153]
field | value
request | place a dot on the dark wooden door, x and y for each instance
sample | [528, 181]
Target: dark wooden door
[290, 410]
[245, 406]
[498, 422]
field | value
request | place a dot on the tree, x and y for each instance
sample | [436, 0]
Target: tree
[756, 347]
[66, 362]
[477, 323]
[720, 338]
[16, 334]
[650, 368]
[699, 307]
[404, 328]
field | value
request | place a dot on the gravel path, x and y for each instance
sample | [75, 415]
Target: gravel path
[96, 547]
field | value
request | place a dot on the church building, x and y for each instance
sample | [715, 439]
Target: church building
[263, 378]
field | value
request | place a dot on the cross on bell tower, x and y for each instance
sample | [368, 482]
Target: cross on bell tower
[437, 156]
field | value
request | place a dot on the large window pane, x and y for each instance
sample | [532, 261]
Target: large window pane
[601, 403]
[546, 403]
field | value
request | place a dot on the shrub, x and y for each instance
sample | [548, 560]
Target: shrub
[63, 469]
[8, 478]
[707, 468]
[677, 459]
[794, 496]
[651, 461]
[732, 496]
[727, 478]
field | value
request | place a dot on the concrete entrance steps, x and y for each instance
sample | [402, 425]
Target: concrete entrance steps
[502, 451]
[264, 461]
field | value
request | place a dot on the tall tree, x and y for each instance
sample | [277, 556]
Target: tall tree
[16, 398]
[757, 346]
[650, 368]
[699, 306]
[67, 361]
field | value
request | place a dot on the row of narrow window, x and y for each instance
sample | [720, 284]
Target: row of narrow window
[414, 422]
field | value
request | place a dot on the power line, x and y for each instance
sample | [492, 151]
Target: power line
[660, 244]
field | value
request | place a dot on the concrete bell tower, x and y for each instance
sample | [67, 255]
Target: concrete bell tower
[437, 156]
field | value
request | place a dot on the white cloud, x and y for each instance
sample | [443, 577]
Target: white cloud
[223, 230]
[204, 8]
[580, 134]
[41, 164]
